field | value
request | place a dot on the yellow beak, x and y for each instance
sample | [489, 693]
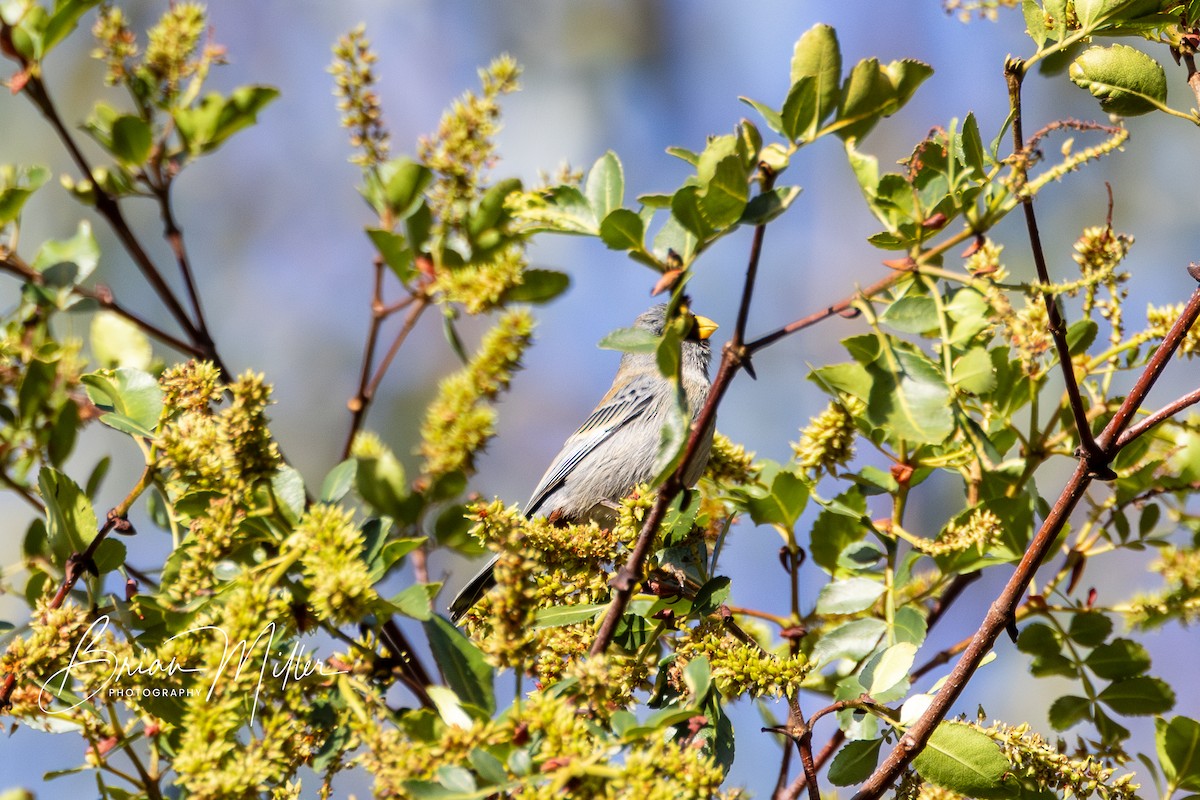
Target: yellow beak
[705, 327]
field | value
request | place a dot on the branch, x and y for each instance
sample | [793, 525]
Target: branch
[368, 384]
[1058, 329]
[1164, 413]
[1003, 608]
[79, 563]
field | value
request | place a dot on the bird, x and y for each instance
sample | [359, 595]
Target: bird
[616, 447]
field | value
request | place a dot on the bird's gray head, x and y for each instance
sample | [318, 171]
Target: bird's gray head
[696, 349]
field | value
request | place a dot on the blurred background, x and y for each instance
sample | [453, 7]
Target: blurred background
[274, 226]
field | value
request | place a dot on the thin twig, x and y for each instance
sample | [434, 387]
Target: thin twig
[1057, 326]
[78, 563]
[1163, 414]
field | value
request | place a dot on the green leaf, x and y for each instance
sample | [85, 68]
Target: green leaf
[110, 555]
[799, 114]
[1126, 81]
[911, 399]
[538, 286]
[767, 206]
[817, 57]
[129, 395]
[630, 340]
[1080, 336]
[724, 196]
[1090, 628]
[81, 250]
[13, 197]
[963, 760]
[558, 616]
[912, 314]
[782, 504]
[394, 250]
[1120, 658]
[1068, 710]
[132, 140]
[605, 187]
[462, 664]
[379, 478]
[117, 342]
[973, 372]
[885, 670]
[1138, 696]
[854, 640]
[63, 21]
[855, 762]
[872, 92]
[623, 229]
[339, 481]
[833, 531]
[712, 595]
[240, 111]
[404, 182]
[1178, 744]
[849, 596]
[770, 116]
[70, 520]
[566, 211]
[697, 676]
[416, 601]
[910, 626]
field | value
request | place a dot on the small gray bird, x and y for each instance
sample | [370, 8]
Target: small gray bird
[615, 449]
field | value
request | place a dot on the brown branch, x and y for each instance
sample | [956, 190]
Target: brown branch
[793, 790]
[368, 384]
[1003, 608]
[1163, 414]
[108, 208]
[79, 563]
[102, 296]
[1058, 329]
[174, 236]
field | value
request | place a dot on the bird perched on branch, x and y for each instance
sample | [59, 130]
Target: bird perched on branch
[616, 448]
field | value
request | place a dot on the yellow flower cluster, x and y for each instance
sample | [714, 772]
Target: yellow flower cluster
[828, 441]
[459, 421]
[353, 71]
[1034, 758]
[1180, 599]
[741, 668]
[729, 463]
[981, 529]
[1160, 320]
[330, 545]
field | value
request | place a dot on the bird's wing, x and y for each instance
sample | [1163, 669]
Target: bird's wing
[620, 407]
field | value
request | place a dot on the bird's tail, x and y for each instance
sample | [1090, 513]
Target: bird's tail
[471, 594]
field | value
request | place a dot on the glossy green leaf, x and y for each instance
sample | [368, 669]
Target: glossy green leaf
[963, 760]
[873, 91]
[110, 555]
[630, 340]
[132, 140]
[394, 250]
[81, 250]
[772, 117]
[973, 372]
[605, 188]
[1090, 628]
[70, 520]
[462, 664]
[128, 394]
[885, 670]
[1126, 81]
[538, 286]
[622, 229]
[558, 616]
[1138, 696]
[1068, 710]
[712, 595]
[855, 762]
[854, 640]
[697, 676]
[566, 210]
[765, 207]
[339, 481]
[1178, 744]
[380, 481]
[117, 342]
[849, 595]
[416, 601]
[782, 503]
[818, 58]
[912, 314]
[832, 531]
